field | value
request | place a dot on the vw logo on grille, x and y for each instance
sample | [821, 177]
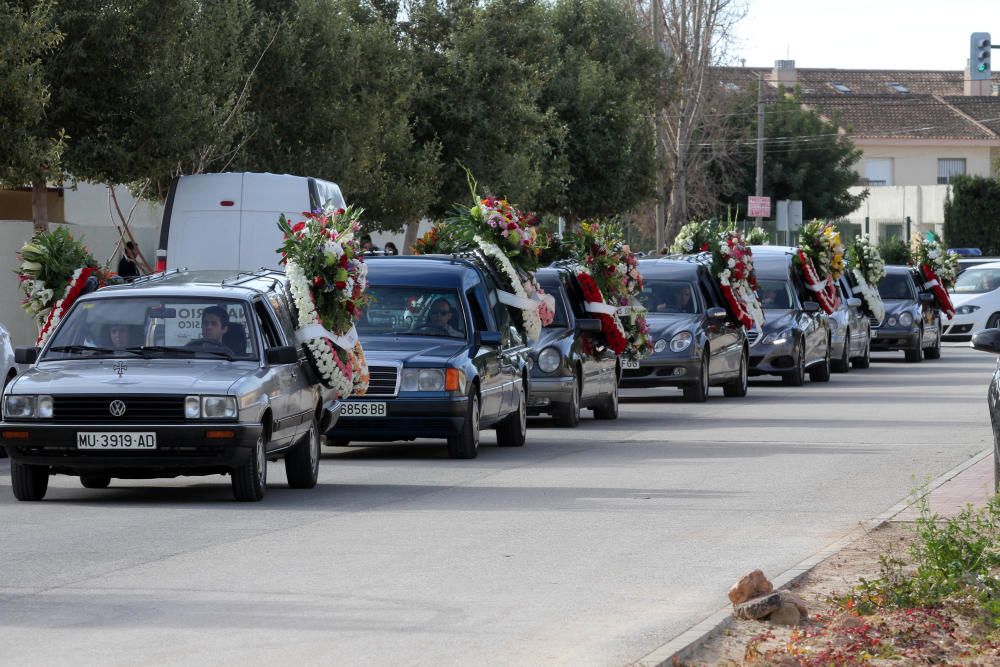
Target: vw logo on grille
[117, 408]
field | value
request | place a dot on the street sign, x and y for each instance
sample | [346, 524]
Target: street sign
[759, 207]
[788, 214]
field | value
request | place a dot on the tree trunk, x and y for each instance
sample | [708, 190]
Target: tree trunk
[40, 206]
[410, 237]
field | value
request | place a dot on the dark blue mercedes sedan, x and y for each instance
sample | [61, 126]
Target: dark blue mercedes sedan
[444, 355]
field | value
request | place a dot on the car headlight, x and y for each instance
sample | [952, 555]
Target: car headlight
[23, 407]
[660, 345]
[681, 341]
[210, 407]
[966, 310]
[549, 359]
[433, 379]
[778, 337]
[43, 408]
[905, 319]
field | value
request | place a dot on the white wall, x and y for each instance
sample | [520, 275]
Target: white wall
[917, 165]
[924, 204]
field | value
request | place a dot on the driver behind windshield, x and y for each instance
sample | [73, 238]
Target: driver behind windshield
[439, 317]
[214, 324]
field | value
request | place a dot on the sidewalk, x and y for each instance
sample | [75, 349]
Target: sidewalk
[970, 485]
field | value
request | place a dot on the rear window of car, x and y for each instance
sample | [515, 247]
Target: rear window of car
[896, 286]
[977, 281]
[164, 326]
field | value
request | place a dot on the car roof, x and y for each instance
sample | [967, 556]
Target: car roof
[772, 264]
[899, 268]
[424, 270]
[668, 267]
[992, 264]
[201, 283]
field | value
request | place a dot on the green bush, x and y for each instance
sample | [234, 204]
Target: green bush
[972, 214]
[894, 251]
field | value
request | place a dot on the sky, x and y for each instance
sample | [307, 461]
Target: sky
[865, 34]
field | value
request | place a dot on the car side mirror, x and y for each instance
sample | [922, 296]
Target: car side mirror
[987, 340]
[283, 354]
[26, 355]
[810, 307]
[716, 314]
[926, 297]
[491, 338]
[854, 302]
[591, 325]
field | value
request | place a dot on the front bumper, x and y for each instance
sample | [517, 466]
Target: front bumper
[771, 359]
[665, 372]
[886, 339]
[181, 449]
[960, 328]
[406, 419]
[545, 391]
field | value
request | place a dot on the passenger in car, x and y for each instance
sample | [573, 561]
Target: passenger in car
[214, 323]
[439, 317]
[119, 336]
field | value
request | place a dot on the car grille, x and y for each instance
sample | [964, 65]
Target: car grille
[752, 336]
[958, 329]
[383, 380]
[875, 322]
[96, 409]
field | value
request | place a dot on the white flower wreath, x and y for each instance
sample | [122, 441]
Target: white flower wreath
[532, 321]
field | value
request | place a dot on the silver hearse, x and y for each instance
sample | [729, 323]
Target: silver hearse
[182, 373]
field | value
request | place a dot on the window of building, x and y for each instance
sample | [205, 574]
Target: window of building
[878, 171]
[899, 88]
[841, 88]
[949, 167]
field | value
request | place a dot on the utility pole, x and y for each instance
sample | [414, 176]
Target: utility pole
[658, 138]
[760, 142]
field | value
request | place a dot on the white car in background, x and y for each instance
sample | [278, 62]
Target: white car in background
[976, 297]
[7, 365]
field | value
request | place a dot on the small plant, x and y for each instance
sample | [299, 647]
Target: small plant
[894, 251]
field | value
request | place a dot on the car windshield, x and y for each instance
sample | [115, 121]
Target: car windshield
[669, 296]
[154, 327]
[896, 286]
[774, 294]
[413, 311]
[559, 312]
[977, 281]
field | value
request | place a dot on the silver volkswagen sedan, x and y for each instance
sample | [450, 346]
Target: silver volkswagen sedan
[175, 374]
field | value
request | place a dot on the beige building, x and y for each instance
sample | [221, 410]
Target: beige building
[917, 129]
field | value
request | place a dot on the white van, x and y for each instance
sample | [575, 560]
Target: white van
[230, 221]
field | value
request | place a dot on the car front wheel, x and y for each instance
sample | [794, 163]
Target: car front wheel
[821, 373]
[608, 408]
[302, 462]
[865, 360]
[513, 431]
[465, 445]
[916, 355]
[934, 351]
[567, 415]
[737, 387]
[30, 482]
[698, 392]
[250, 479]
[797, 378]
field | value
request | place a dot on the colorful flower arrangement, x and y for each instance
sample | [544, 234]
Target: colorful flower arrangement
[694, 237]
[327, 278]
[938, 267]
[868, 269]
[732, 264]
[602, 258]
[55, 270]
[756, 236]
[821, 260]
[509, 241]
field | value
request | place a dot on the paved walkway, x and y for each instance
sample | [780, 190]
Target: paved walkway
[971, 485]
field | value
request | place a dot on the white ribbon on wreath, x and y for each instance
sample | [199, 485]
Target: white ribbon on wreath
[870, 295]
[603, 308]
[532, 321]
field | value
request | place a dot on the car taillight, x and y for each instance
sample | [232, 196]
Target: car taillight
[161, 264]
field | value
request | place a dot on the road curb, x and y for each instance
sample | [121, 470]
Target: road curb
[677, 649]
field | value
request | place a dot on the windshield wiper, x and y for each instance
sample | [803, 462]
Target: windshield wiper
[81, 348]
[145, 350]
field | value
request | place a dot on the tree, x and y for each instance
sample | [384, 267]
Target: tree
[972, 214]
[607, 81]
[332, 99]
[31, 148]
[806, 157]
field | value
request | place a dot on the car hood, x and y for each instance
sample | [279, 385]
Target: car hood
[414, 350]
[665, 326]
[142, 376]
[777, 321]
[985, 299]
[897, 307]
[551, 336]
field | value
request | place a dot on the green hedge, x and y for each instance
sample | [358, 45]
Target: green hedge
[972, 214]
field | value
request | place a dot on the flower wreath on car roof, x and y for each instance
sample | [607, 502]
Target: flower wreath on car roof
[508, 242]
[937, 266]
[731, 264]
[327, 278]
[820, 258]
[608, 274]
[867, 268]
[55, 270]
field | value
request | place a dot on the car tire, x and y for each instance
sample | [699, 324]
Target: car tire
[302, 461]
[934, 352]
[465, 445]
[95, 481]
[915, 356]
[30, 482]
[513, 431]
[797, 378]
[993, 322]
[821, 373]
[843, 365]
[250, 479]
[737, 388]
[864, 361]
[698, 392]
[567, 415]
[608, 408]
[6, 381]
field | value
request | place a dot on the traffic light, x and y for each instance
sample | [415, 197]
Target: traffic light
[979, 56]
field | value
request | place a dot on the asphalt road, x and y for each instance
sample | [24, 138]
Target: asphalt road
[588, 546]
